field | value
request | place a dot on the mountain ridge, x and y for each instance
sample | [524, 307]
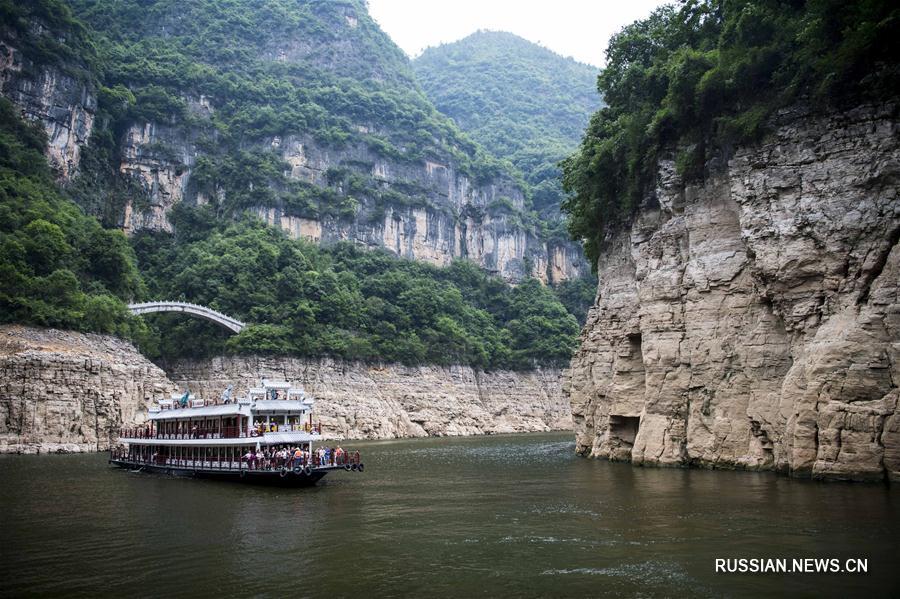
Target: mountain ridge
[520, 100]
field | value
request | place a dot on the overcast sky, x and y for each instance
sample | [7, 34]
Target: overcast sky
[576, 28]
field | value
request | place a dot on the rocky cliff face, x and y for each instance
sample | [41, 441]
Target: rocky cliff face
[384, 402]
[62, 100]
[753, 321]
[451, 217]
[65, 391]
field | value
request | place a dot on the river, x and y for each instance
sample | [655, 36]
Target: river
[515, 515]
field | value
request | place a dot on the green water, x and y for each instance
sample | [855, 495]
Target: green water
[493, 516]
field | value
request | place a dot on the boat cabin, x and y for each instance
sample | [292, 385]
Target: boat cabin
[268, 433]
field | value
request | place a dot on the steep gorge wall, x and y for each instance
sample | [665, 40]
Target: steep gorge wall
[450, 217]
[65, 391]
[389, 401]
[63, 101]
[753, 321]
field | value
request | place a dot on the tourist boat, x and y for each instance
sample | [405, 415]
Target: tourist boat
[186, 436]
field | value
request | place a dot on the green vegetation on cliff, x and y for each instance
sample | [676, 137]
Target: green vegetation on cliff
[69, 48]
[203, 71]
[231, 77]
[519, 100]
[344, 301]
[58, 267]
[703, 76]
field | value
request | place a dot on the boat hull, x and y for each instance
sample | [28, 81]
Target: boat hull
[276, 478]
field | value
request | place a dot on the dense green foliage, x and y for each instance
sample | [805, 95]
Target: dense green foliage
[577, 295]
[706, 75]
[346, 302]
[58, 267]
[68, 49]
[311, 68]
[519, 100]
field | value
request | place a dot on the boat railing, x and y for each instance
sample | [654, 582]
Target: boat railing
[287, 428]
[348, 458]
[225, 432]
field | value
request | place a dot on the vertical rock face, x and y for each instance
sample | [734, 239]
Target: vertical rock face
[383, 402]
[63, 102]
[753, 321]
[159, 159]
[64, 391]
[451, 216]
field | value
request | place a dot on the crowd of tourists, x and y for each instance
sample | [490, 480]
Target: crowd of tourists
[275, 458]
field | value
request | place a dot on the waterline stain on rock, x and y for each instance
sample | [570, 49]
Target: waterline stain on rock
[752, 321]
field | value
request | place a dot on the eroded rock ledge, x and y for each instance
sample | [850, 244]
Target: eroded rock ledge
[753, 321]
[363, 401]
[62, 391]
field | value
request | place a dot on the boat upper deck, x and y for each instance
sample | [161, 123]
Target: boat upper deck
[276, 413]
[197, 413]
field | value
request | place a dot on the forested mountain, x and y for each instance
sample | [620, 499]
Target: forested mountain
[186, 124]
[306, 113]
[519, 100]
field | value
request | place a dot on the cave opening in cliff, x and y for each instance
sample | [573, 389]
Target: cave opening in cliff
[634, 342]
[623, 430]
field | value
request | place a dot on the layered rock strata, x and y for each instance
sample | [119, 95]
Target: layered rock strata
[62, 391]
[753, 321]
[453, 217]
[67, 392]
[364, 401]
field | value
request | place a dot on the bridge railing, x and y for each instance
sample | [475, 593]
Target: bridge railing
[189, 308]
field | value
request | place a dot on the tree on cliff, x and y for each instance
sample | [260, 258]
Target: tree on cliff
[705, 76]
[58, 267]
[346, 302]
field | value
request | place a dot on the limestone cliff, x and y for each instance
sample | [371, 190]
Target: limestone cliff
[389, 401]
[62, 391]
[65, 391]
[63, 100]
[453, 216]
[753, 320]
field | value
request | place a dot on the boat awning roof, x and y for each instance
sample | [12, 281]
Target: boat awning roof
[280, 405]
[204, 412]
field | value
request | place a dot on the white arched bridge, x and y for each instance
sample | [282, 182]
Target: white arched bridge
[202, 311]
